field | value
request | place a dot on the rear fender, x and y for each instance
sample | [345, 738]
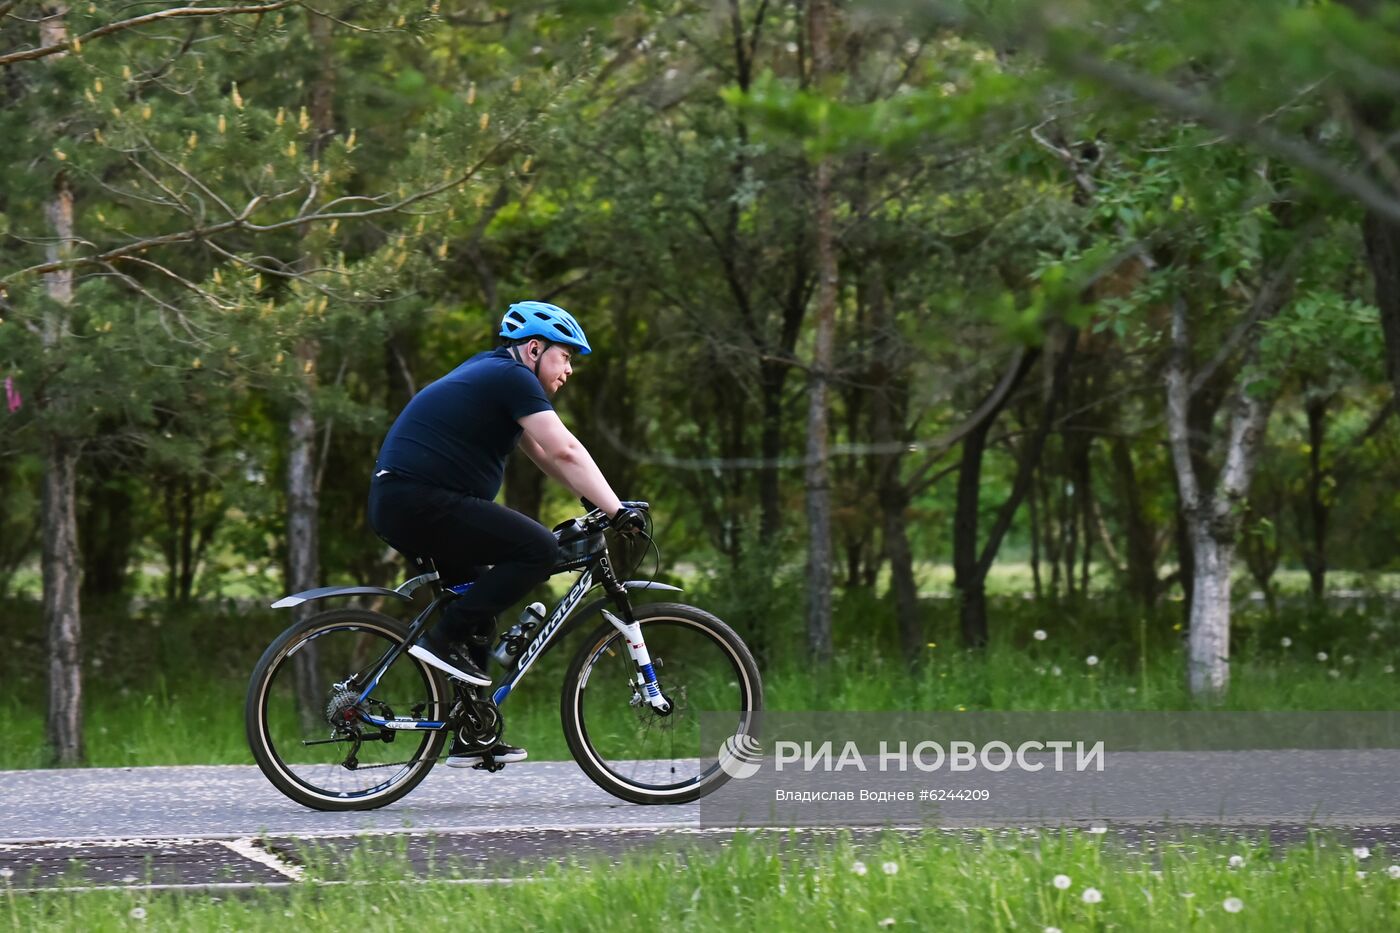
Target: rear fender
[325, 592]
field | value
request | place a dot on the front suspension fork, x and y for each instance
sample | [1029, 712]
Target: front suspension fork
[647, 681]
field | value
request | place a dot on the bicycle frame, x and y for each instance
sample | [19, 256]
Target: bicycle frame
[597, 567]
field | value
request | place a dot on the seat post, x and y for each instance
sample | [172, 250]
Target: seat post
[426, 565]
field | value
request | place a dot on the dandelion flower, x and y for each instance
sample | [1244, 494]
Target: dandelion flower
[1322, 655]
[1286, 641]
[890, 868]
[1052, 930]
[1348, 659]
[1091, 896]
[1389, 668]
[1361, 852]
[1393, 871]
[1062, 882]
[1361, 876]
[1055, 670]
[1237, 861]
[138, 913]
[1039, 634]
[859, 868]
[1334, 673]
[887, 922]
[1091, 660]
[1233, 905]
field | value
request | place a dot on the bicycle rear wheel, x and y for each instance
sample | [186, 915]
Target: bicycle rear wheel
[302, 719]
[621, 742]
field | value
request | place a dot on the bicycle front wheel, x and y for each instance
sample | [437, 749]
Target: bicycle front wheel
[622, 742]
[303, 718]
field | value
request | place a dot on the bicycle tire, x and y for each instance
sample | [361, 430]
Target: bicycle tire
[259, 732]
[749, 689]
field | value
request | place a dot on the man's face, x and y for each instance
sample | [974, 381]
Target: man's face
[555, 366]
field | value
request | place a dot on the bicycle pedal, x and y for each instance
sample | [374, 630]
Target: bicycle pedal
[489, 764]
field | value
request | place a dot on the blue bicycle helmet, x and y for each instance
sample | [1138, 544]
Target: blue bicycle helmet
[526, 319]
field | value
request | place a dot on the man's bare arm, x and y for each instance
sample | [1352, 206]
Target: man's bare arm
[559, 454]
[538, 458]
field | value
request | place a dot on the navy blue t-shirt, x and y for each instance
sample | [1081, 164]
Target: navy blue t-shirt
[457, 432]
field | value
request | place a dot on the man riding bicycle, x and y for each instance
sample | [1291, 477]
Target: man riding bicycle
[441, 466]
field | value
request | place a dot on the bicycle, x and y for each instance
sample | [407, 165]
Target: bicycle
[335, 699]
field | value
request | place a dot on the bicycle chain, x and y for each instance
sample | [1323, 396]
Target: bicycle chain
[414, 761]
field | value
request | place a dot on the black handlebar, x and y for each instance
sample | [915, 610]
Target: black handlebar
[597, 520]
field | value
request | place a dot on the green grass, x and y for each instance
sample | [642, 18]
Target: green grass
[938, 881]
[201, 721]
[167, 687]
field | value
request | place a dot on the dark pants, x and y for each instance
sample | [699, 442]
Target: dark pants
[461, 534]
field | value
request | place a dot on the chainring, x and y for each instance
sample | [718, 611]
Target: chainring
[481, 722]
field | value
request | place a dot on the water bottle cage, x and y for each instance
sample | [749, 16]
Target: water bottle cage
[515, 640]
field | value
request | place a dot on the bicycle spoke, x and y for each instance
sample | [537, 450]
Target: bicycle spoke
[312, 726]
[634, 741]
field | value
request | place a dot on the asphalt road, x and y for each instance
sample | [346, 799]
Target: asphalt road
[227, 827]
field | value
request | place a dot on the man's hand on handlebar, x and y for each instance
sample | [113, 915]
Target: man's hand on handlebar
[629, 521]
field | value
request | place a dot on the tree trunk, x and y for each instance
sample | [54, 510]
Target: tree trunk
[524, 485]
[303, 546]
[104, 528]
[1141, 556]
[888, 402]
[1382, 239]
[970, 566]
[303, 496]
[1049, 528]
[772, 378]
[1315, 551]
[972, 603]
[1084, 496]
[188, 500]
[1037, 587]
[1212, 519]
[817, 473]
[968, 575]
[61, 556]
[1208, 644]
[61, 604]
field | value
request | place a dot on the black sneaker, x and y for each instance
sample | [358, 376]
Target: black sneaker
[464, 755]
[452, 660]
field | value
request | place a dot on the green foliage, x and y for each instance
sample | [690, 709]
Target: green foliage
[653, 171]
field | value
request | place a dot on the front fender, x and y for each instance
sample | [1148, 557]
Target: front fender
[306, 596]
